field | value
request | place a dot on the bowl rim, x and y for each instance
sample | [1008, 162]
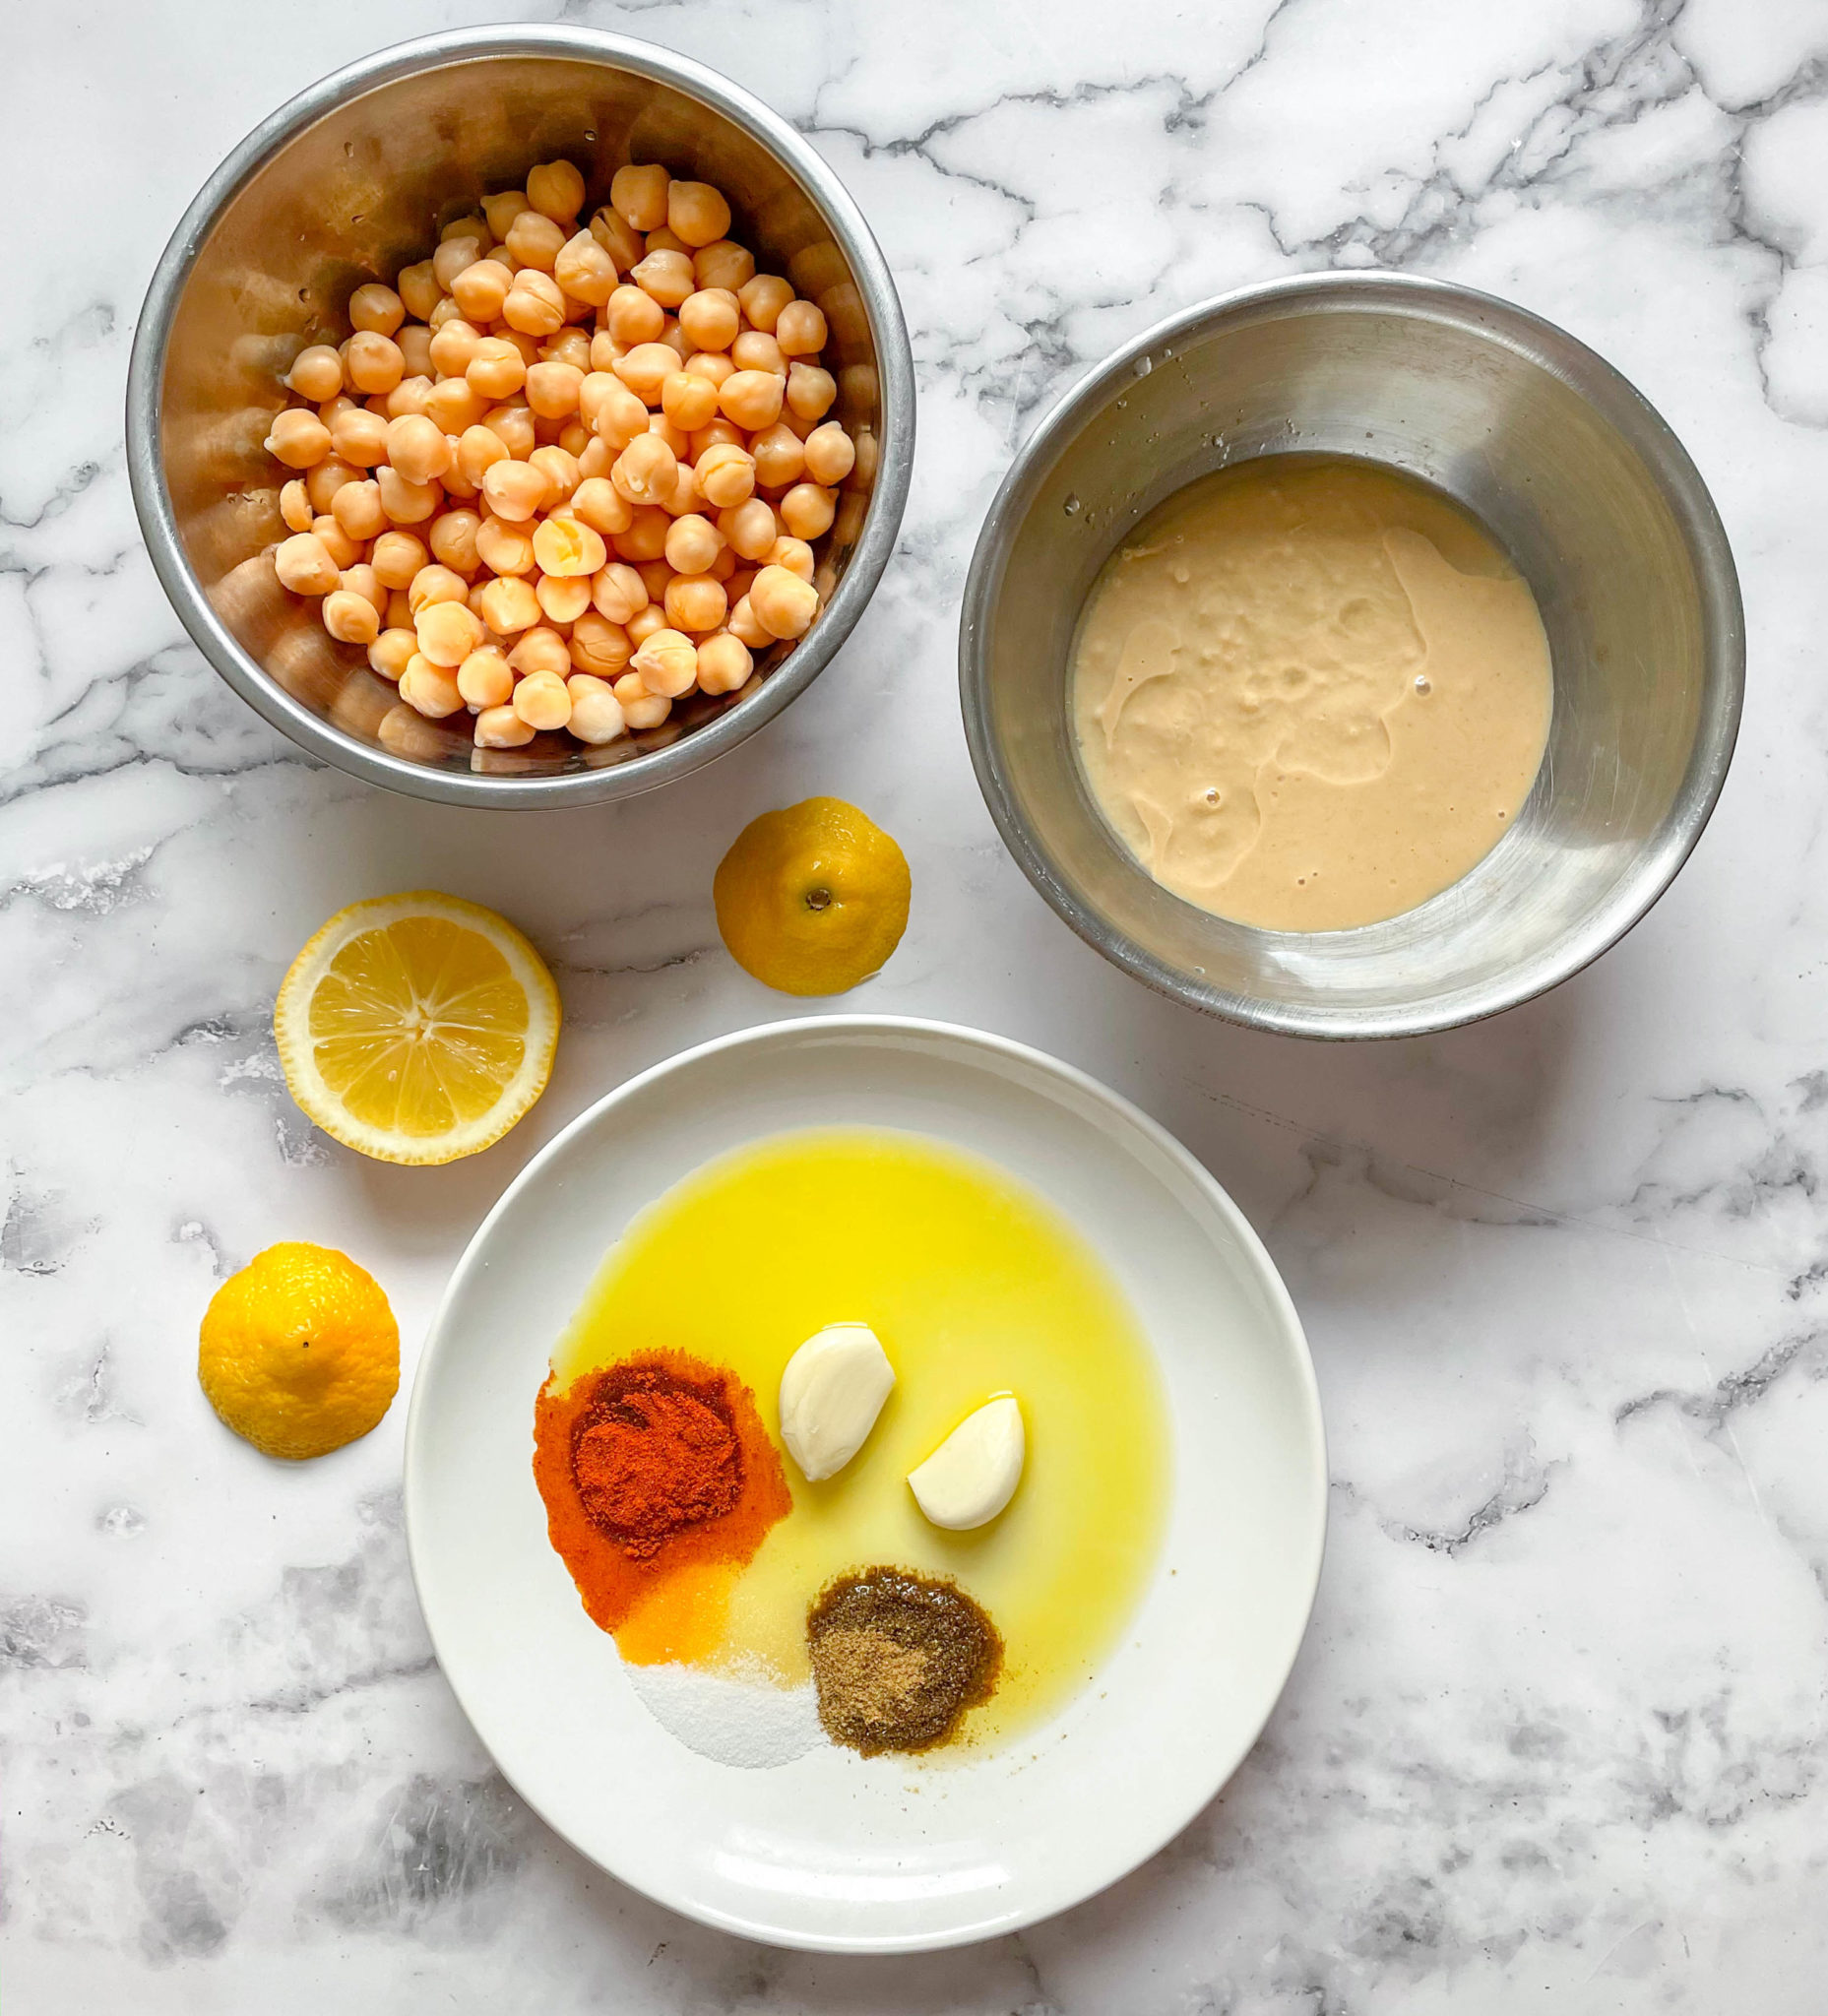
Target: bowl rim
[869, 556]
[757, 1040]
[1603, 388]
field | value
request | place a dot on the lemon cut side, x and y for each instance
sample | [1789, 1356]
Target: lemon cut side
[416, 1028]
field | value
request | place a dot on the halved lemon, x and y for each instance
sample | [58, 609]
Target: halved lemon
[416, 1028]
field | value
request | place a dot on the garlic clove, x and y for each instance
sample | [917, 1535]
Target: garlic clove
[973, 1472]
[831, 1389]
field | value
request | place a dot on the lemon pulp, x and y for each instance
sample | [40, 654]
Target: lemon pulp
[976, 1287]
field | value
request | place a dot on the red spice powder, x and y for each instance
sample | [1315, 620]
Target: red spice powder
[648, 1466]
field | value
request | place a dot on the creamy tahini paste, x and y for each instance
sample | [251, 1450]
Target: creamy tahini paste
[1311, 693]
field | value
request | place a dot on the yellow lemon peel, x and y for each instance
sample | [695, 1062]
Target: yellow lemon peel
[812, 899]
[300, 1351]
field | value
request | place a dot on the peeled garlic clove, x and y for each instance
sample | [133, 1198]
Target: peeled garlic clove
[973, 1472]
[831, 1389]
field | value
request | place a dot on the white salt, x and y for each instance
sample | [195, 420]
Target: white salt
[748, 1723]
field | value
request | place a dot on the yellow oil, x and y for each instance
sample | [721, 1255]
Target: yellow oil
[976, 1287]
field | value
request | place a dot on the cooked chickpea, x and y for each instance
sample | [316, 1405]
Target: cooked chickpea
[569, 346]
[397, 558]
[617, 237]
[430, 688]
[454, 256]
[326, 478]
[667, 663]
[585, 270]
[763, 299]
[619, 593]
[350, 618]
[504, 548]
[500, 728]
[783, 605]
[562, 598]
[676, 438]
[360, 580]
[696, 213]
[799, 330]
[725, 474]
[295, 506]
[561, 469]
[723, 663]
[795, 554]
[317, 372]
[632, 316]
[390, 652]
[807, 510]
[779, 457]
[359, 437]
[478, 449]
[509, 605]
[454, 345]
[830, 455]
[596, 712]
[645, 622]
[357, 507]
[646, 470]
[536, 305]
[723, 264]
[675, 338]
[644, 368]
[417, 449]
[756, 351]
[535, 240]
[751, 528]
[419, 288]
[711, 364]
[597, 645]
[688, 403]
[415, 341]
[304, 565]
[298, 438]
[692, 543]
[752, 399]
[643, 710]
[513, 426]
[398, 616]
[556, 190]
[597, 503]
[667, 275]
[723, 566]
[342, 550]
[610, 410]
[486, 678]
[496, 369]
[410, 396]
[746, 627]
[695, 603]
[377, 307]
[452, 538]
[552, 390]
[541, 700]
[542, 649]
[639, 196]
[406, 502]
[435, 582]
[513, 490]
[564, 546]
[502, 209]
[481, 290]
[711, 318]
[371, 363]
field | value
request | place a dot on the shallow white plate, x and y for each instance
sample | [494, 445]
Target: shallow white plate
[832, 1850]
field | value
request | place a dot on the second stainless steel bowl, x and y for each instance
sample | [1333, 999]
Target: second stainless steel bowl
[348, 182]
[1577, 477]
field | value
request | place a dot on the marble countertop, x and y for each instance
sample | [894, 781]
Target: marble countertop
[1554, 1740]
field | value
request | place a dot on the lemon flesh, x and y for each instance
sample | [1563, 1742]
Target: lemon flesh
[812, 899]
[416, 1028]
[300, 1351]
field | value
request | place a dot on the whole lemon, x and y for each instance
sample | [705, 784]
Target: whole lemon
[300, 1351]
[812, 899]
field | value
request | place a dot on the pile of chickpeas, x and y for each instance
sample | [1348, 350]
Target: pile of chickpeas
[564, 475]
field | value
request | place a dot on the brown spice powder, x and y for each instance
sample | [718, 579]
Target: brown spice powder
[897, 1658]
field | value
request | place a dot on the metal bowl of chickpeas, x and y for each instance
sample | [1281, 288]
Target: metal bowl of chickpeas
[520, 416]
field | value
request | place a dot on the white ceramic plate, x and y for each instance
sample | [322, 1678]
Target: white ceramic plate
[831, 1852]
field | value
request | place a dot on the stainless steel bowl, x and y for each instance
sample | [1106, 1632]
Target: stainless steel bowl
[1574, 473]
[349, 181]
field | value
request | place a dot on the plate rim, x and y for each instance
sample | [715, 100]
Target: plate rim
[760, 1035]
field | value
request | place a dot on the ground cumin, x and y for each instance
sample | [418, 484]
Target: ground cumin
[650, 1469]
[898, 1659]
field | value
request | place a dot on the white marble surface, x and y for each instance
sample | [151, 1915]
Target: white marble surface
[1556, 1737]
